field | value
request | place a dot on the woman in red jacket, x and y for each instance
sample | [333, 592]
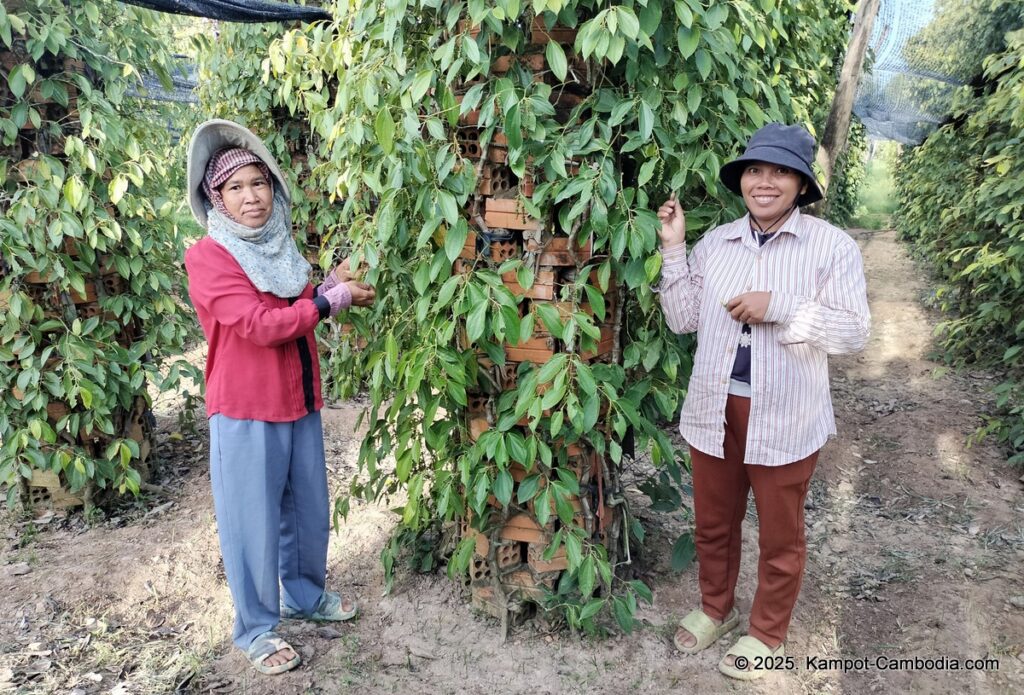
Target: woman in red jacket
[251, 290]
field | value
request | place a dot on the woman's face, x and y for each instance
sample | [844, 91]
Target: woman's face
[248, 196]
[769, 190]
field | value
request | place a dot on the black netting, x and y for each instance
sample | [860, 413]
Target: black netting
[181, 89]
[923, 52]
[235, 10]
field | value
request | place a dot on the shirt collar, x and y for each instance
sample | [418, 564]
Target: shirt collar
[741, 227]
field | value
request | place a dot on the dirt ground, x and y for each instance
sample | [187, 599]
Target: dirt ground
[915, 547]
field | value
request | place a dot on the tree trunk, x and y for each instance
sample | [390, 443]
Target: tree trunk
[837, 128]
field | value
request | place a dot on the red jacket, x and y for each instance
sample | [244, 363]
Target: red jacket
[262, 362]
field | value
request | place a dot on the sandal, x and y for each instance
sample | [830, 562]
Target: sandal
[329, 609]
[698, 624]
[265, 646]
[754, 652]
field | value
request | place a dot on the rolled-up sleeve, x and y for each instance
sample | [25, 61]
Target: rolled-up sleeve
[682, 287]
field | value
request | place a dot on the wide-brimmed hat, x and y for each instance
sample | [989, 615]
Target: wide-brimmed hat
[786, 145]
[212, 136]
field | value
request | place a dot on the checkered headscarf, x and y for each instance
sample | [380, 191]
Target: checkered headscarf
[221, 166]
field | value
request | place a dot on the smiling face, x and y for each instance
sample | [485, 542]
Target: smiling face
[770, 190]
[248, 196]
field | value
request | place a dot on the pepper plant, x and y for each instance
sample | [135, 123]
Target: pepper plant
[963, 210]
[85, 201]
[667, 92]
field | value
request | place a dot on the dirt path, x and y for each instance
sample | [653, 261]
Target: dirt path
[916, 545]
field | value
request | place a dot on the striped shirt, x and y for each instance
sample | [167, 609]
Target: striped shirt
[818, 307]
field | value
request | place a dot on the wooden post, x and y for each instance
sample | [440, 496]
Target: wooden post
[837, 128]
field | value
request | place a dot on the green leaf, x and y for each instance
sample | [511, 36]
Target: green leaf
[476, 321]
[556, 60]
[447, 291]
[552, 367]
[688, 40]
[592, 608]
[642, 590]
[693, 97]
[513, 128]
[729, 97]
[573, 549]
[503, 487]
[646, 120]
[528, 489]
[553, 396]
[455, 239]
[74, 192]
[585, 379]
[623, 616]
[420, 85]
[542, 506]
[646, 172]
[384, 128]
[703, 63]
[117, 189]
[549, 316]
[587, 577]
[683, 552]
[684, 13]
[524, 276]
[449, 209]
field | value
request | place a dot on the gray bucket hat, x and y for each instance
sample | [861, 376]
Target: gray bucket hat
[775, 143]
[207, 140]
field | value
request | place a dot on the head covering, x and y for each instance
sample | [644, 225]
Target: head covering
[208, 139]
[786, 145]
[222, 167]
[267, 255]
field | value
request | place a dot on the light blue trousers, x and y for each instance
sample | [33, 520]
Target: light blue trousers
[273, 518]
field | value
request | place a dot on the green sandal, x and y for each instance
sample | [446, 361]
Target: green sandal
[265, 646]
[698, 624]
[327, 610]
[755, 652]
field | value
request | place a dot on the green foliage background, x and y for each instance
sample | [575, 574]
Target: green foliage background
[962, 207]
[108, 193]
[677, 89]
[845, 189]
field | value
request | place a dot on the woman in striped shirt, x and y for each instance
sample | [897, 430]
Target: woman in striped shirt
[770, 295]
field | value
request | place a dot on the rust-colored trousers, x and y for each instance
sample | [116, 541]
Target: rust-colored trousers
[720, 488]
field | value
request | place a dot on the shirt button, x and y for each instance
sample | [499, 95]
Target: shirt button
[748, 287]
[725, 381]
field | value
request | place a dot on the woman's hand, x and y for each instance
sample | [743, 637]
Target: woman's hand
[362, 294]
[343, 271]
[749, 307]
[673, 223]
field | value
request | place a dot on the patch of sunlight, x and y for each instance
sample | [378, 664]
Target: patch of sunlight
[950, 454]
